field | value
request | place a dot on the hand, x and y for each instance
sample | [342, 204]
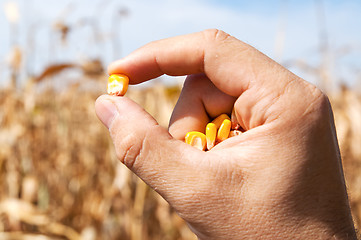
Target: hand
[280, 179]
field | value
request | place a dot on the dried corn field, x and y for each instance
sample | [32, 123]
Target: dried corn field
[59, 178]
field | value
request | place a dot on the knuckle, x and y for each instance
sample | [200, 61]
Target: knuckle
[321, 100]
[216, 35]
[318, 104]
[128, 145]
[317, 96]
[133, 148]
[132, 154]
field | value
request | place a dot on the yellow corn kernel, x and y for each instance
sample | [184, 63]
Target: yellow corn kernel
[223, 131]
[233, 133]
[219, 120]
[211, 134]
[196, 139]
[118, 84]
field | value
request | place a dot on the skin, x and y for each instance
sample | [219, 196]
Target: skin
[281, 179]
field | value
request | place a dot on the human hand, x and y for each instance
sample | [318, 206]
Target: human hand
[282, 178]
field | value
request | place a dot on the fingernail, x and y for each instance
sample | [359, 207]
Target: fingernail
[106, 111]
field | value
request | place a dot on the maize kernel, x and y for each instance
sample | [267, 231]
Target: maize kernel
[223, 131]
[211, 134]
[196, 139]
[219, 120]
[118, 84]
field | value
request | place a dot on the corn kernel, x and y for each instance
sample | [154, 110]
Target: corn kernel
[211, 134]
[219, 120]
[196, 139]
[223, 131]
[118, 84]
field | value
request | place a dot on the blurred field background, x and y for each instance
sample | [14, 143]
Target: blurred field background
[59, 178]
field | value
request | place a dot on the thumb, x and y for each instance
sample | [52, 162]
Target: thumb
[147, 148]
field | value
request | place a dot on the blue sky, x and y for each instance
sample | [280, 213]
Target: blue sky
[286, 30]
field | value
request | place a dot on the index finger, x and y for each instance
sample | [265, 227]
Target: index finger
[228, 62]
